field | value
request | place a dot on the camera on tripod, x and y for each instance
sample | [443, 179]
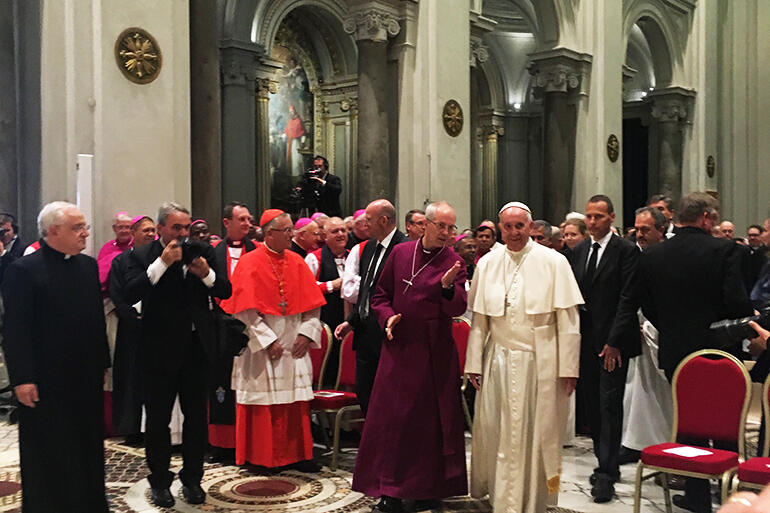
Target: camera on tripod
[306, 194]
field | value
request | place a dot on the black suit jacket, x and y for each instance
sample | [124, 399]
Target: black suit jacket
[16, 251]
[609, 315]
[329, 200]
[367, 331]
[172, 306]
[686, 283]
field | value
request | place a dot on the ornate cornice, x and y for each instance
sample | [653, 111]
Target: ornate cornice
[560, 70]
[238, 62]
[375, 22]
[673, 104]
[265, 87]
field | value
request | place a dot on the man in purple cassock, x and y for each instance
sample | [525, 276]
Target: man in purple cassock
[413, 443]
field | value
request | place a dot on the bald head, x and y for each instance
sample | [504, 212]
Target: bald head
[381, 218]
[727, 229]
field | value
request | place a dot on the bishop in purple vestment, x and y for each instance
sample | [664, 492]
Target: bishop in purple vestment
[413, 442]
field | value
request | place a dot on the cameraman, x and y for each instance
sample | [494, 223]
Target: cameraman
[11, 247]
[176, 321]
[327, 186]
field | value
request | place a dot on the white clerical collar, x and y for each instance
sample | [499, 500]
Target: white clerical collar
[271, 249]
[516, 254]
[386, 241]
[604, 240]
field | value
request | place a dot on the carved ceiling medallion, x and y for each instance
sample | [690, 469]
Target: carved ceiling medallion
[138, 55]
[453, 118]
[613, 148]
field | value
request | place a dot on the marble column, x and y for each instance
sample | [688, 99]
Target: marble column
[561, 77]
[238, 63]
[205, 114]
[489, 131]
[264, 87]
[8, 140]
[372, 23]
[671, 108]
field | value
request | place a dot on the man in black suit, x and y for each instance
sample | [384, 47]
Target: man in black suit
[686, 283]
[176, 320]
[367, 338]
[605, 268]
[329, 188]
[11, 247]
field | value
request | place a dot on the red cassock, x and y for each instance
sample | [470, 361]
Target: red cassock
[413, 444]
[276, 434]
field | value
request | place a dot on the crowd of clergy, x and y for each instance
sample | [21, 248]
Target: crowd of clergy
[121, 345]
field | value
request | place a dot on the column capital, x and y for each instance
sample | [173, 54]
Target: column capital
[560, 70]
[479, 52]
[238, 62]
[373, 20]
[672, 104]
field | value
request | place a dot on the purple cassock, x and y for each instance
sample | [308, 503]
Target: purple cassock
[413, 444]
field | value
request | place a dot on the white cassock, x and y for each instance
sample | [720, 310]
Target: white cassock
[648, 412]
[525, 335]
[257, 379]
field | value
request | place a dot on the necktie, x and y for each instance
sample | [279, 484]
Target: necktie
[589, 275]
[371, 272]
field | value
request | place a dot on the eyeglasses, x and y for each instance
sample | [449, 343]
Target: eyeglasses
[284, 230]
[443, 226]
[80, 228]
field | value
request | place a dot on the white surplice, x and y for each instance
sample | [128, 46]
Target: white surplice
[648, 412]
[259, 380]
[525, 335]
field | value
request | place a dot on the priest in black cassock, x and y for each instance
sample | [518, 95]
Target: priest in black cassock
[127, 389]
[56, 350]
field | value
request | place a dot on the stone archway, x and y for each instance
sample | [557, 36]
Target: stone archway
[654, 108]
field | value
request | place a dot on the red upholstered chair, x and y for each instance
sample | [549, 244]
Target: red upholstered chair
[337, 401]
[320, 356]
[461, 328]
[711, 391]
[755, 473]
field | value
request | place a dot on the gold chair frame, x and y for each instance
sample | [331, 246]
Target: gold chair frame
[338, 413]
[724, 477]
[464, 384]
[737, 483]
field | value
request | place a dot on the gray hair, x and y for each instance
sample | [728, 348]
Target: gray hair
[53, 214]
[546, 226]
[432, 209]
[274, 221]
[168, 208]
[658, 219]
[556, 233]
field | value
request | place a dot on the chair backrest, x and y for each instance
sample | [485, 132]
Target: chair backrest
[346, 377]
[319, 356]
[766, 411]
[461, 329]
[712, 392]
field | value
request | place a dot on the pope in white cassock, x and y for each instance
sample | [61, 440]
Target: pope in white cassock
[523, 357]
[276, 296]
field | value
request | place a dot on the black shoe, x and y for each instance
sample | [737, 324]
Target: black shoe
[193, 494]
[603, 490]
[427, 505]
[388, 505]
[681, 501]
[627, 455]
[135, 440]
[306, 467]
[593, 478]
[162, 498]
[220, 455]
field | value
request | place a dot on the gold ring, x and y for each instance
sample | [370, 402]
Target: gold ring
[740, 500]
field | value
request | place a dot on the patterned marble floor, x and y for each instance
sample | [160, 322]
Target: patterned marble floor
[235, 490]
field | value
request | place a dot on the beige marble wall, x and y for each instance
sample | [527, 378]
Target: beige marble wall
[138, 134]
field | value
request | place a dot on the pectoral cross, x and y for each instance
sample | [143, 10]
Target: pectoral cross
[283, 304]
[408, 284]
